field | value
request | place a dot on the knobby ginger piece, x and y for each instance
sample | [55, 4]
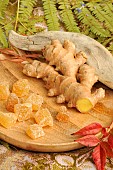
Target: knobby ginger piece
[62, 115]
[11, 101]
[68, 89]
[23, 111]
[43, 117]
[7, 119]
[88, 78]
[64, 57]
[35, 131]
[4, 91]
[36, 101]
[21, 87]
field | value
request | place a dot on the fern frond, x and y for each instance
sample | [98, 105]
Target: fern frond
[3, 6]
[86, 18]
[2, 21]
[108, 8]
[3, 39]
[106, 42]
[9, 26]
[67, 16]
[111, 47]
[24, 13]
[101, 39]
[29, 27]
[97, 1]
[26, 8]
[73, 3]
[101, 15]
[51, 14]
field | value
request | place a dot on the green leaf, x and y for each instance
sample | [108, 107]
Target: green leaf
[111, 47]
[3, 5]
[51, 15]
[86, 18]
[67, 16]
[3, 38]
[9, 26]
[56, 167]
[108, 8]
[26, 8]
[101, 15]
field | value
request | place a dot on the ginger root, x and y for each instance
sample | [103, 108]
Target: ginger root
[67, 89]
[75, 85]
[64, 57]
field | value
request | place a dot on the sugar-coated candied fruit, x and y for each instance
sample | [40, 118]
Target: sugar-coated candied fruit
[36, 101]
[23, 111]
[21, 87]
[4, 91]
[43, 117]
[7, 119]
[23, 99]
[62, 117]
[35, 131]
[11, 101]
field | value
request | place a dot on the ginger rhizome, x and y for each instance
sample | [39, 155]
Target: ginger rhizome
[67, 89]
[64, 57]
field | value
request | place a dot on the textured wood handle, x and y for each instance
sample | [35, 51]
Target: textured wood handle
[98, 56]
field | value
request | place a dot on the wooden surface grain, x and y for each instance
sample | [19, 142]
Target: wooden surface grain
[58, 138]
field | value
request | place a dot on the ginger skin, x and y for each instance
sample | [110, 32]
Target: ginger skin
[58, 55]
[67, 89]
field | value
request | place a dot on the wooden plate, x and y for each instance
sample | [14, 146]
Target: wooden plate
[58, 138]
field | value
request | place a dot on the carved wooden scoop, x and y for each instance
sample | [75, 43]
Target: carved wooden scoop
[98, 56]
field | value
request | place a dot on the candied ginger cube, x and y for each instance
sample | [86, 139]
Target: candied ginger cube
[21, 87]
[43, 117]
[36, 101]
[23, 99]
[62, 117]
[7, 119]
[35, 131]
[4, 91]
[23, 111]
[11, 101]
